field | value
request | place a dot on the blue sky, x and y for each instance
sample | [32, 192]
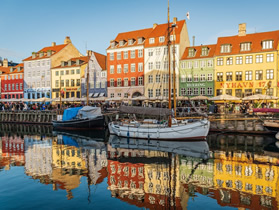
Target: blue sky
[29, 25]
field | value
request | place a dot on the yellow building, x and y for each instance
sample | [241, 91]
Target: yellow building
[247, 64]
[66, 78]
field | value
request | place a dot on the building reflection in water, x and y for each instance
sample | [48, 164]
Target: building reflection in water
[237, 171]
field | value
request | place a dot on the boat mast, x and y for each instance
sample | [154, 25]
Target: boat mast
[169, 65]
[87, 81]
[174, 75]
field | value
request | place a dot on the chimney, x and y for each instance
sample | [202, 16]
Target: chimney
[155, 25]
[67, 40]
[174, 20]
[194, 40]
[5, 62]
[242, 29]
[53, 44]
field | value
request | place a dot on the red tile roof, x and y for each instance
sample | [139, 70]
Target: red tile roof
[198, 50]
[55, 49]
[82, 58]
[4, 69]
[162, 30]
[21, 65]
[256, 40]
[131, 35]
[101, 60]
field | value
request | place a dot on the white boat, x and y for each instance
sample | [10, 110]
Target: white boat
[184, 130]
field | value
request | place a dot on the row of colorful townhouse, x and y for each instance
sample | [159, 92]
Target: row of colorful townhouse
[137, 64]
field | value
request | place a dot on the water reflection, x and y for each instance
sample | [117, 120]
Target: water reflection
[236, 171]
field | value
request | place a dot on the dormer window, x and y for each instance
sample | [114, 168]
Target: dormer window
[191, 52]
[41, 54]
[121, 43]
[49, 53]
[112, 44]
[11, 69]
[131, 41]
[161, 39]
[204, 51]
[225, 48]
[140, 40]
[267, 44]
[245, 46]
[151, 40]
[172, 37]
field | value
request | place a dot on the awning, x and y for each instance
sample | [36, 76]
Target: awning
[102, 94]
[91, 94]
[95, 95]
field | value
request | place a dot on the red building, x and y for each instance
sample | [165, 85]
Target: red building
[125, 64]
[12, 82]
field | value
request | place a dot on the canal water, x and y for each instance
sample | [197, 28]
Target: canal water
[44, 169]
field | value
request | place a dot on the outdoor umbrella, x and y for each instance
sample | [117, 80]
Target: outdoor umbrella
[196, 98]
[139, 98]
[224, 98]
[259, 97]
[114, 99]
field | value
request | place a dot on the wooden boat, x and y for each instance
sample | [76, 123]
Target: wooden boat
[271, 125]
[84, 118]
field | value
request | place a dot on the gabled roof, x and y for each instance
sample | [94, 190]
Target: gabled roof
[74, 64]
[131, 35]
[255, 39]
[21, 65]
[198, 50]
[162, 30]
[101, 60]
[55, 49]
[4, 69]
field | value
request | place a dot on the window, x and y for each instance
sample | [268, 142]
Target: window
[238, 76]
[118, 55]
[202, 91]
[151, 40]
[238, 93]
[202, 64]
[125, 68]
[133, 81]
[38, 73]
[62, 83]
[225, 48]
[67, 83]
[161, 39]
[166, 78]
[196, 91]
[210, 63]
[111, 56]
[248, 75]
[111, 82]
[172, 37]
[158, 51]
[166, 92]
[72, 71]
[133, 67]
[191, 52]
[61, 72]
[119, 82]
[133, 54]
[219, 61]
[183, 91]
[125, 54]
[166, 65]
[111, 71]
[189, 91]
[140, 67]
[158, 78]
[112, 95]
[196, 77]
[269, 74]
[140, 53]
[189, 65]
[258, 91]
[38, 84]
[209, 91]
[229, 61]
[126, 95]
[189, 78]
[246, 46]
[270, 57]
[229, 92]
[249, 59]
[268, 44]
[196, 64]
[210, 77]
[150, 93]
[228, 76]
[238, 60]
[158, 92]
[202, 79]
[20, 86]
[259, 58]
[9, 86]
[259, 74]
[183, 78]
[150, 52]
[78, 82]
[67, 72]
[13, 86]
[219, 92]
[140, 81]
[5, 86]
[119, 69]
[158, 65]
[130, 41]
[204, 51]
[248, 92]
[72, 82]
[57, 83]
[269, 92]
[150, 65]
[150, 79]
[219, 77]
[165, 51]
